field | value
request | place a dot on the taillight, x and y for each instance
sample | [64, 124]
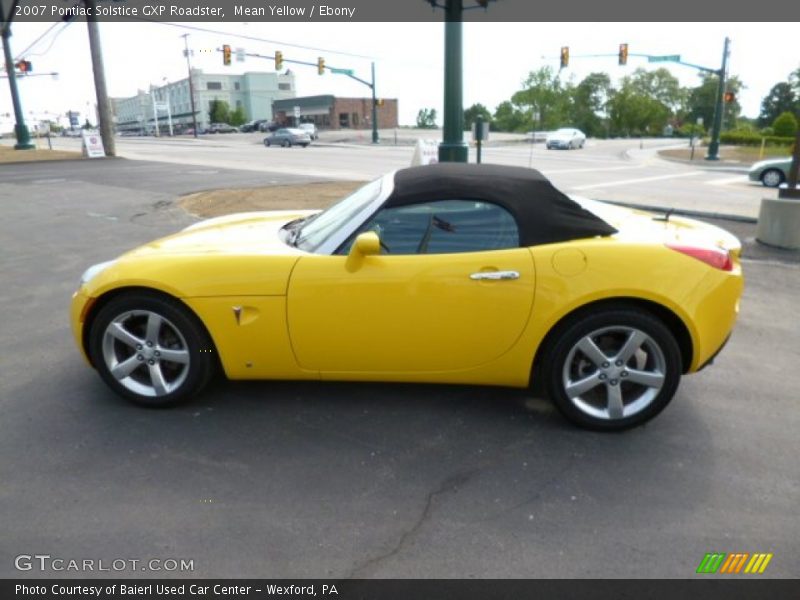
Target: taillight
[714, 257]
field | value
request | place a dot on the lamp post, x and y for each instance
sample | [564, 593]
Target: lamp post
[453, 148]
[716, 126]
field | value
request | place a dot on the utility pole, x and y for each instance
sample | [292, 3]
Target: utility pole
[103, 104]
[374, 109]
[453, 148]
[185, 37]
[716, 127]
[20, 129]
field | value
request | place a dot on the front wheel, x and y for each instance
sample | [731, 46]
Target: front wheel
[613, 370]
[772, 178]
[151, 349]
[267, 143]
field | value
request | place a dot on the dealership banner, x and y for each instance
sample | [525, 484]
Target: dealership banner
[276, 11]
[399, 589]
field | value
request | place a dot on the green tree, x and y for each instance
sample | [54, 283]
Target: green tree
[544, 94]
[702, 101]
[589, 99]
[507, 117]
[632, 111]
[780, 99]
[219, 111]
[426, 118]
[237, 117]
[785, 125]
[475, 111]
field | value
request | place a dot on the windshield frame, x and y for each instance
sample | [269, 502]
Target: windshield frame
[346, 229]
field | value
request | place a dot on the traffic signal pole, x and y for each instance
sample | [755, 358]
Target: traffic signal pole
[716, 127]
[20, 129]
[103, 103]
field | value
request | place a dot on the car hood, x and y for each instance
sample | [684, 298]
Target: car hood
[252, 233]
[781, 163]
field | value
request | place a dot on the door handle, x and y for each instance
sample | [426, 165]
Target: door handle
[495, 275]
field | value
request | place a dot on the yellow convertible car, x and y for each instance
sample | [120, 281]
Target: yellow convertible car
[449, 273]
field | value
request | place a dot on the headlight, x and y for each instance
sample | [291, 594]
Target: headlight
[89, 273]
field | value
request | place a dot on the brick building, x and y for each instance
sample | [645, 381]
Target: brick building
[330, 112]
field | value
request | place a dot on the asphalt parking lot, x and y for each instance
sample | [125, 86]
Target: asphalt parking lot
[364, 480]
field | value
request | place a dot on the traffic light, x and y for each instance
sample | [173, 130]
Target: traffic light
[564, 57]
[730, 97]
[226, 55]
[278, 60]
[24, 66]
[379, 102]
[623, 54]
[321, 66]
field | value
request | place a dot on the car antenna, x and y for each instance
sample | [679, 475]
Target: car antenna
[666, 216]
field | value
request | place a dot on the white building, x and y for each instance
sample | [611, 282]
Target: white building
[254, 92]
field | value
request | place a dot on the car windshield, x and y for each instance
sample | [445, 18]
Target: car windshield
[319, 228]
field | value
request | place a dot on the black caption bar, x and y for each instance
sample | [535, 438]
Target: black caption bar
[393, 10]
[399, 589]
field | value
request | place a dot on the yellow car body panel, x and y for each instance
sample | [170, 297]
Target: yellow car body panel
[407, 314]
[275, 312]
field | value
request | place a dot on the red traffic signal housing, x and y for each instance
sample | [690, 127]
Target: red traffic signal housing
[226, 55]
[730, 97]
[24, 66]
[564, 56]
[623, 54]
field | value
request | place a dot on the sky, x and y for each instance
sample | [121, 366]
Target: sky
[408, 57]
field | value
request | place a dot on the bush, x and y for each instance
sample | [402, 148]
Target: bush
[736, 138]
[785, 125]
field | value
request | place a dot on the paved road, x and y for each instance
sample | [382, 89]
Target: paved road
[363, 480]
[607, 169]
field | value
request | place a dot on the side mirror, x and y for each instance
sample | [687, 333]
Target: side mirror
[366, 244]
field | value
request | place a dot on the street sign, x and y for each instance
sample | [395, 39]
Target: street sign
[92, 144]
[667, 58]
[483, 135]
[296, 112]
[342, 71]
[240, 55]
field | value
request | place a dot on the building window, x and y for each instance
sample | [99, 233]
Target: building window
[236, 85]
[213, 85]
[285, 86]
[355, 119]
[344, 120]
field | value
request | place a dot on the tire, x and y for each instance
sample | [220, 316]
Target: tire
[304, 145]
[590, 362]
[267, 143]
[772, 177]
[130, 338]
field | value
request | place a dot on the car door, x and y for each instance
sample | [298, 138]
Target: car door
[451, 290]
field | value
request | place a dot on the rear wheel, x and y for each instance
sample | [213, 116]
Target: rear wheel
[772, 177]
[612, 370]
[151, 349]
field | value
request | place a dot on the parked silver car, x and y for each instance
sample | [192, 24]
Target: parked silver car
[287, 138]
[771, 173]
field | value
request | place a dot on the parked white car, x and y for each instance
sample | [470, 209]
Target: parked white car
[310, 129]
[566, 138]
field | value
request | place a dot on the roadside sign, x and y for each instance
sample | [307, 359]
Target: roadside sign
[92, 144]
[342, 71]
[296, 112]
[425, 153]
[666, 58]
[483, 134]
[240, 55]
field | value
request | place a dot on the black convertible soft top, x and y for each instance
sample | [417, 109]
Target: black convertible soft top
[544, 215]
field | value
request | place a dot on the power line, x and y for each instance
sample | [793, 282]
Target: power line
[45, 51]
[253, 38]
